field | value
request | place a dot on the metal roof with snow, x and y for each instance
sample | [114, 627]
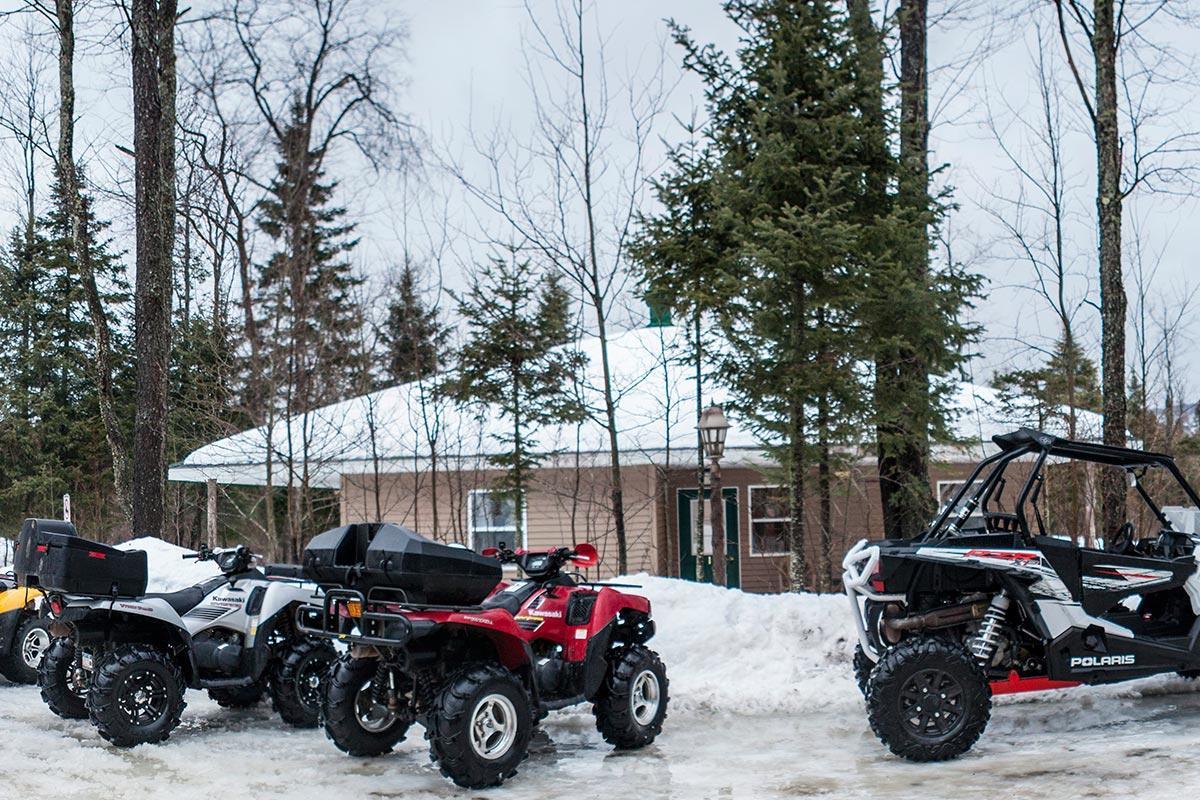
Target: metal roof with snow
[656, 414]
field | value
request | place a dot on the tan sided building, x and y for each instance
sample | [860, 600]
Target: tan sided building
[403, 455]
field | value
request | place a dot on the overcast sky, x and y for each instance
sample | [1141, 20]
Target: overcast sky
[463, 71]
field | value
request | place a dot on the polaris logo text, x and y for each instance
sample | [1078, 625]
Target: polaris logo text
[1082, 662]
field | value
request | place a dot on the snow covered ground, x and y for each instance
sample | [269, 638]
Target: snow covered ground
[762, 706]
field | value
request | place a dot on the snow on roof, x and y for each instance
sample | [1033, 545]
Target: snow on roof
[390, 429]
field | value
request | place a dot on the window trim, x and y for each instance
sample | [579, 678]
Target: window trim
[956, 482]
[751, 518]
[471, 529]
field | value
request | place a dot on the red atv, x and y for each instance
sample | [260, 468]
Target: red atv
[477, 667]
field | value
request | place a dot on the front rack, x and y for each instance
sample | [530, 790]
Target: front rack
[381, 616]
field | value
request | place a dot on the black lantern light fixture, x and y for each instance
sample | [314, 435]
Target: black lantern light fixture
[713, 428]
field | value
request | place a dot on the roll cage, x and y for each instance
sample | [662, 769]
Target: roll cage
[988, 477]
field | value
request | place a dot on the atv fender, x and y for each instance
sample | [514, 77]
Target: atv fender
[595, 663]
[511, 650]
[281, 598]
[269, 608]
[17, 599]
[148, 620]
[622, 618]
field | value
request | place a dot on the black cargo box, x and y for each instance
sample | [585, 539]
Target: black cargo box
[51, 556]
[369, 555]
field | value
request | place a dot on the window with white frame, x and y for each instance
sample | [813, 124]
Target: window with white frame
[768, 520]
[493, 519]
[946, 490]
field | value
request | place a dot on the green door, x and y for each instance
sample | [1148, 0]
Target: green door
[688, 535]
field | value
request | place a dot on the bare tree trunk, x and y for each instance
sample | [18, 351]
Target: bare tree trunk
[81, 256]
[1112, 286]
[798, 563]
[825, 496]
[152, 24]
[211, 512]
[600, 306]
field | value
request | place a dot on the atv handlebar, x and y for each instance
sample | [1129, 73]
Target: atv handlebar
[231, 560]
[543, 564]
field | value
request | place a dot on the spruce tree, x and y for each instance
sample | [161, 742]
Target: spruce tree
[1043, 389]
[772, 199]
[306, 289]
[911, 308]
[49, 408]
[516, 358]
[413, 338]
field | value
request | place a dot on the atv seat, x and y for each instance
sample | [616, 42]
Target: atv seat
[185, 600]
[511, 598]
[284, 571]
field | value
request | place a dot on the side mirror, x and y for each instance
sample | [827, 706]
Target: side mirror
[586, 555]
[490, 552]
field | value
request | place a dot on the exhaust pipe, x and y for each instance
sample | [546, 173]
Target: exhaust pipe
[946, 617]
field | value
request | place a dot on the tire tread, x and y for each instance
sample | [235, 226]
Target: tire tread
[104, 680]
[884, 717]
[614, 717]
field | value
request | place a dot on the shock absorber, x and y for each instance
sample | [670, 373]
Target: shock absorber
[984, 645]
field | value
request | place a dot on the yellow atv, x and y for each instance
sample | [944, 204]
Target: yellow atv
[24, 632]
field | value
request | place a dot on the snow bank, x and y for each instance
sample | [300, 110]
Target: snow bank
[736, 652]
[725, 650]
[169, 571]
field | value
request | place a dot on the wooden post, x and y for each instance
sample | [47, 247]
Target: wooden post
[212, 512]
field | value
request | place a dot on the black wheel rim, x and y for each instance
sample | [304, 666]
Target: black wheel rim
[308, 682]
[143, 698]
[931, 705]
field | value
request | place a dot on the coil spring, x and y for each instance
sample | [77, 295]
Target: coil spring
[984, 645]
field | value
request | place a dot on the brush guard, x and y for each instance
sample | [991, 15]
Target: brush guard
[859, 565]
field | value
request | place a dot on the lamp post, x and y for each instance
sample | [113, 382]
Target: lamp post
[713, 428]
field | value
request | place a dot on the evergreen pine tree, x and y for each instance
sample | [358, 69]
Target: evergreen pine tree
[1042, 391]
[772, 199]
[49, 430]
[515, 359]
[306, 289]
[413, 338]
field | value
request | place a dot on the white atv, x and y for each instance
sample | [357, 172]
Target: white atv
[124, 658]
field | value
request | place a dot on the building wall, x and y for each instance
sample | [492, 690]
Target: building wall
[857, 514]
[566, 506]
[563, 506]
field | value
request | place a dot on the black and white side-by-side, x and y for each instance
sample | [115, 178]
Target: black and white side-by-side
[1002, 594]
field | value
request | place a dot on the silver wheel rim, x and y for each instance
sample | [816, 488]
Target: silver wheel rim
[493, 726]
[37, 641]
[373, 717]
[78, 679]
[644, 699]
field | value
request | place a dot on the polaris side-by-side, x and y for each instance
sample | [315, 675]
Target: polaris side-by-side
[437, 637]
[995, 597]
[124, 657]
